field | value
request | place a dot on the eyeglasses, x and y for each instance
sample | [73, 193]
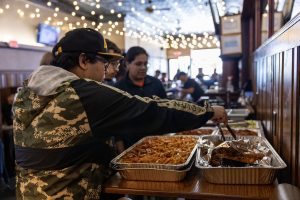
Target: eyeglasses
[103, 60]
[115, 64]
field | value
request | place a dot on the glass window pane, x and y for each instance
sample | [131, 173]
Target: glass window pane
[208, 60]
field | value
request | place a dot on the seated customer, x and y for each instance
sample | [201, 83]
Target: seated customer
[136, 81]
[190, 86]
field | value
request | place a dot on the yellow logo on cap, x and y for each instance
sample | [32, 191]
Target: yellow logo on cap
[59, 51]
[105, 45]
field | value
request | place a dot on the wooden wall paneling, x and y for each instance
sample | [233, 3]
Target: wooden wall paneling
[264, 91]
[276, 101]
[255, 89]
[297, 110]
[295, 116]
[287, 94]
[263, 94]
[258, 88]
[268, 97]
[284, 47]
[280, 102]
[273, 88]
[13, 78]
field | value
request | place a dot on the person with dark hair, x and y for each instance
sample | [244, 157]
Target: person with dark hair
[63, 115]
[122, 69]
[176, 76]
[113, 68]
[164, 77]
[200, 75]
[136, 81]
[46, 59]
[157, 73]
[190, 86]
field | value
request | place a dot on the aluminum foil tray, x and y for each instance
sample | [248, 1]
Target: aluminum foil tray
[241, 175]
[199, 132]
[116, 164]
[249, 124]
[258, 131]
[147, 174]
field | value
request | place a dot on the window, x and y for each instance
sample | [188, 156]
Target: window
[182, 63]
[208, 60]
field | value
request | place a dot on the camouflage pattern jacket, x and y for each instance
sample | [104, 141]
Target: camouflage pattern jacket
[61, 123]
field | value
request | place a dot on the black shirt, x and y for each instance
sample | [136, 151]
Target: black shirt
[198, 92]
[152, 86]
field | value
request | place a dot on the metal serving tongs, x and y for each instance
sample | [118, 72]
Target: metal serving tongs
[231, 131]
[221, 131]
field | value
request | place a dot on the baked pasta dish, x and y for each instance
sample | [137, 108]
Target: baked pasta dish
[171, 150]
[196, 132]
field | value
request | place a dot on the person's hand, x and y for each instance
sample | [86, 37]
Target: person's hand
[220, 115]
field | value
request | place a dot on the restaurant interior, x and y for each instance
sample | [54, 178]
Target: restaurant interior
[244, 55]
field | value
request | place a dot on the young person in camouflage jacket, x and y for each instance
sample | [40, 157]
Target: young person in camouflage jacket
[64, 114]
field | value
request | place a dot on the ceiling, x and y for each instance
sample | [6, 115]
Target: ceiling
[162, 21]
[154, 17]
[167, 22]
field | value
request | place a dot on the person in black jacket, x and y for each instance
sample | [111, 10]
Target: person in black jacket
[61, 129]
[136, 81]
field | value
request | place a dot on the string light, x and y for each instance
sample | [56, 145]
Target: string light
[129, 28]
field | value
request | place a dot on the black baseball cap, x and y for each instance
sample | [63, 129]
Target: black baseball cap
[85, 40]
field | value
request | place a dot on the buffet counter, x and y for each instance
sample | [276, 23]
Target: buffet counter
[196, 186]
[192, 187]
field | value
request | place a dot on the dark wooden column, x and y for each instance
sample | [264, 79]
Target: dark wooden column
[257, 28]
[230, 68]
[271, 18]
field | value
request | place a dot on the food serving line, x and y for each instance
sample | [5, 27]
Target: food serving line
[196, 178]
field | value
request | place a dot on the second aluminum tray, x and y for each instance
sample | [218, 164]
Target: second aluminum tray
[241, 175]
[116, 164]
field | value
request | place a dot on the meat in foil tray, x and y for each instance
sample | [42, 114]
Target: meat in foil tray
[234, 153]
